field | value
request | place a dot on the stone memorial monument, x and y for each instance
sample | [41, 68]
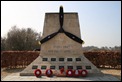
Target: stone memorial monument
[61, 46]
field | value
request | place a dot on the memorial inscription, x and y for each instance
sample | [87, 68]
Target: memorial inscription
[59, 49]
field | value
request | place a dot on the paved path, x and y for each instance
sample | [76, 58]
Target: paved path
[16, 77]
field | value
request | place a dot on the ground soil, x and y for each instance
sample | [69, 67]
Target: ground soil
[114, 72]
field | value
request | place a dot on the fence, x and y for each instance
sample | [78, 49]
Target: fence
[19, 59]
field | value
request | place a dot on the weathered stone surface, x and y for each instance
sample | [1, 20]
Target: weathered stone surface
[71, 24]
[61, 45]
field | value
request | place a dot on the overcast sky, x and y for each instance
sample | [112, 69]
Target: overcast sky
[100, 22]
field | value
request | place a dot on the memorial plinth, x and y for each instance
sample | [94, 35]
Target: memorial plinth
[61, 50]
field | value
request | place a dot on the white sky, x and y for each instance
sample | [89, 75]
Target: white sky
[100, 22]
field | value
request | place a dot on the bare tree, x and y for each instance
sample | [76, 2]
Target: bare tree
[3, 45]
[21, 39]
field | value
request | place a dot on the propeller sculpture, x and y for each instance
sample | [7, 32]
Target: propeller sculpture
[61, 30]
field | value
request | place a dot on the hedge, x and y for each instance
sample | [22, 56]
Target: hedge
[20, 59]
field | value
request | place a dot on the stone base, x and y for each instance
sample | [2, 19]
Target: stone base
[28, 71]
[59, 75]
